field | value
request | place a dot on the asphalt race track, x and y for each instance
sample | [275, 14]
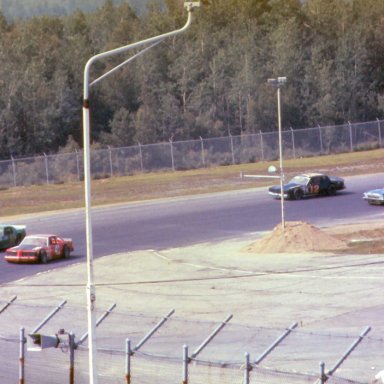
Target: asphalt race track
[169, 223]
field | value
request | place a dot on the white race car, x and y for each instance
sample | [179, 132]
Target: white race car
[375, 196]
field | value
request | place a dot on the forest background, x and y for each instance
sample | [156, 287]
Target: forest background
[208, 82]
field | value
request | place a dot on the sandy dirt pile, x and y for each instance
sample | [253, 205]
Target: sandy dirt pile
[297, 237]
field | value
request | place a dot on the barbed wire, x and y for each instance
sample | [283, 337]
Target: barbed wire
[192, 279]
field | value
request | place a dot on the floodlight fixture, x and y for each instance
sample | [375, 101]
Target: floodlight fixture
[191, 4]
[42, 341]
[278, 82]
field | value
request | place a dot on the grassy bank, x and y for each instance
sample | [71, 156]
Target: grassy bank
[39, 198]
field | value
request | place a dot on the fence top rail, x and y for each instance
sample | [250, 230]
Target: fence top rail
[167, 143]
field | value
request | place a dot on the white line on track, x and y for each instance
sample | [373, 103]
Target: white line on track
[301, 274]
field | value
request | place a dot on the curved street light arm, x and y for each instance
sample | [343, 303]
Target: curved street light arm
[127, 48]
[124, 62]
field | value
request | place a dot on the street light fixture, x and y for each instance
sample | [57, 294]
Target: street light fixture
[91, 292]
[58, 340]
[278, 83]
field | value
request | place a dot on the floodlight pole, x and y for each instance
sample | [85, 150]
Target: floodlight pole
[90, 290]
[278, 83]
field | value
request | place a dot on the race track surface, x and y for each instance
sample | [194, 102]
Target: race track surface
[169, 223]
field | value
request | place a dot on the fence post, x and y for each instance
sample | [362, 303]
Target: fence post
[98, 322]
[323, 376]
[172, 157]
[128, 354]
[49, 317]
[349, 351]
[141, 158]
[72, 346]
[78, 165]
[22, 356]
[247, 368]
[232, 149]
[211, 336]
[13, 171]
[46, 167]
[350, 137]
[110, 160]
[202, 151]
[379, 128]
[261, 145]
[293, 143]
[8, 304]
[275, 343]
[321, 140]
[153, 330]
[185, 364]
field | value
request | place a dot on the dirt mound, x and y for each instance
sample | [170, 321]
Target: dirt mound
[296, 237]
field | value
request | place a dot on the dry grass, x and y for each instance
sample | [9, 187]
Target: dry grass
[22, 200]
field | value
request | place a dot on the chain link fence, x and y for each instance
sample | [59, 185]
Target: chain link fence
[163, 358]
[192, 154]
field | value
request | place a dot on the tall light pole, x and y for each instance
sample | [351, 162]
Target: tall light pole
[278, 83]
[90, 291]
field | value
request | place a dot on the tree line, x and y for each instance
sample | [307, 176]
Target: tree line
[25, 9]
[210, 81]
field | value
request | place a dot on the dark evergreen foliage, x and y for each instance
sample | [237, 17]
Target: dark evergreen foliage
[210, 81]
[25, 9]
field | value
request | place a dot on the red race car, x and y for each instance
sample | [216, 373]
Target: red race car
[39, 249]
